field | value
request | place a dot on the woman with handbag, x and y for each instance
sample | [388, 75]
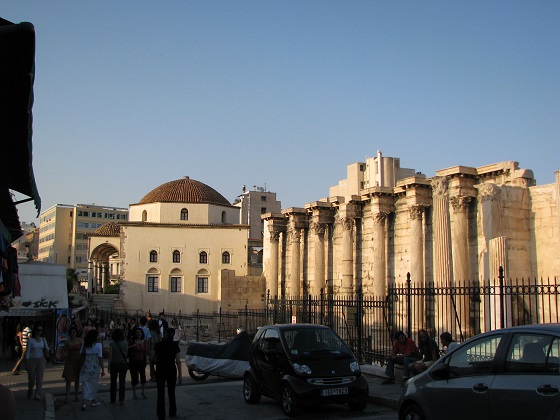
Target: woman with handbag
[92, 356]
[38, 352]
[118, 365]
[138, 356]
[72, 362]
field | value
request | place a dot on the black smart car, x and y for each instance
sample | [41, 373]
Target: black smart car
[303, 364]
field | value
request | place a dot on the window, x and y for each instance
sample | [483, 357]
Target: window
[223, 217]
[203, 257]
[144, 216]
[263, 198]
[225, 257]
[532, 353]
[153, 284]
[175, 284]
[153, 256]
[477, 358]
[184, 214]
[176, 256]
[263, 210]
[202, 285]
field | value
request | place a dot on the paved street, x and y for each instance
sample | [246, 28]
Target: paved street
[212, 399]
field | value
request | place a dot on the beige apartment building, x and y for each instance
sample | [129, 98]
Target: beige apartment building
[64, 229]
[253, 204]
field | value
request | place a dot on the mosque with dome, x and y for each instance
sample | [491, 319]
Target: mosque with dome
[171, 252]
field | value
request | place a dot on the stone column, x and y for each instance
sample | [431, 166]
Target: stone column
[272, 273]
[294, 273]
[443, 275]
[460, 239]
[90, 278]
[318, 231]
[416, 214]
[488, 194]
[104, 270]
[347, 255]
[379, 288]
[296, 222]
[276, 224]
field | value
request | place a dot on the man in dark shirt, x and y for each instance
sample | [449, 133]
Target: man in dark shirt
[168, 363]
[429, 351]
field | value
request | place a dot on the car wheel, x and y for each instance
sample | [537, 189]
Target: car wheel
[198, 376]
[358, 405]
[289, 401]
[412, 412]
[251, 391]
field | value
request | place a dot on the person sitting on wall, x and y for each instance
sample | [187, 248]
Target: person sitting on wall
[429, 351]
[447, 341]
[404, 352]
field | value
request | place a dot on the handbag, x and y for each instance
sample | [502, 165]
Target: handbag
[124, 355]
[46, 353]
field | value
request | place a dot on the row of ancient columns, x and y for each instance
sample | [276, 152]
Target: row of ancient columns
[306, 232]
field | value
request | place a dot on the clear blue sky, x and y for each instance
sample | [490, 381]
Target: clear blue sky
[132, 94]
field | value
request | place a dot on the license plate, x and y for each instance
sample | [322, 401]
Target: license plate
[334, 391]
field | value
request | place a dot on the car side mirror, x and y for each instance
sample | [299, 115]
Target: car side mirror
[441, 371]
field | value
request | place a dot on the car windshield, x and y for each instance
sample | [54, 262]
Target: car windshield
[315, 344]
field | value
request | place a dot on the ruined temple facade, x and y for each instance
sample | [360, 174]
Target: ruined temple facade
[385, 221]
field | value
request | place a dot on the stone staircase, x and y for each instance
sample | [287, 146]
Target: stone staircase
[104, 301]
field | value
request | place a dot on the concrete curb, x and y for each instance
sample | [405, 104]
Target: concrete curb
[49, 406]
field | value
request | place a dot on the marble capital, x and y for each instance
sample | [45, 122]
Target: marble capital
[416, 212]
[488, 192]
[379, 218]
[440, 186]
[460, 204]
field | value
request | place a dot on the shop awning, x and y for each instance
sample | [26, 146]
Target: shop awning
[9, 220]
[17, 75]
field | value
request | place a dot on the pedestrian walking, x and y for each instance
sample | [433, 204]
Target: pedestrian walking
[138, 358]
[23, 339]
[118, 365]
[156, 338]
[36, 358]
[168, 365]
[92, 356]
[72, 362]
[175, 325]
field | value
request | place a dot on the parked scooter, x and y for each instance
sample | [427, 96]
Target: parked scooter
[229, 360]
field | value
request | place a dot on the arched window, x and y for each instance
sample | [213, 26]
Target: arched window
[176, 256]
[144, 216]
[225, 257]
[223, 217]
[153, 256]
[152, 280]
[203, 257]
[175, 281]
[184, 214]
[202, 281]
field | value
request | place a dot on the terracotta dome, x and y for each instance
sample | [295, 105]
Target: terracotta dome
[185, 190]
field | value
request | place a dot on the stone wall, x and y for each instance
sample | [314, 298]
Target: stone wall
[241, 291]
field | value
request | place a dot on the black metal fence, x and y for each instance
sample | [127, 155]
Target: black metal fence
[368, 323]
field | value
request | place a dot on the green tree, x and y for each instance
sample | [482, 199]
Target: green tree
[71, 277]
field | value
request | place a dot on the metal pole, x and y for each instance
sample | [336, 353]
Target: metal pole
[501, 277]
[409, 305]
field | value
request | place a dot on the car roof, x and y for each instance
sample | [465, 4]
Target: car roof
[296, 326]
[555, 327]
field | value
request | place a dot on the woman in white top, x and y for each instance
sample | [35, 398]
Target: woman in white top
[177, 327]
[89, 374]
[36, 361]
